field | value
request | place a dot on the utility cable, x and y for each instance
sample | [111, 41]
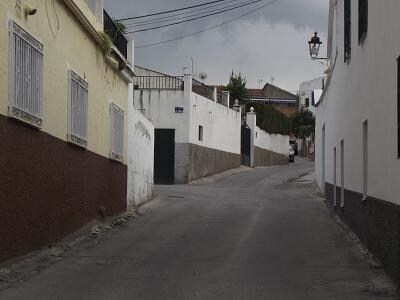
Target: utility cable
[169, 11]
[197, 18]
[209, 28]
[180, 14]
[233, 6]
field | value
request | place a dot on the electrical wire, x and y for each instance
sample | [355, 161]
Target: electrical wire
[233, 6]
[180, 14]
[169, 11]
[209, 28]
[197, 18]
[48, 20]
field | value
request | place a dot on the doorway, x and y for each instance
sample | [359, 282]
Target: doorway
[245, 145]
[164, 156]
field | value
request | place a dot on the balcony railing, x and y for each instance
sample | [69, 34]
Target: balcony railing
[116, 36]
[202, 89]
[222, 98]
[159, 83]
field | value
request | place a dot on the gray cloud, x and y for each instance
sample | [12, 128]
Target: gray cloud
[269, 43]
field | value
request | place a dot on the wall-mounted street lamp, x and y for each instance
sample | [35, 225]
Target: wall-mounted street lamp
[314, 44]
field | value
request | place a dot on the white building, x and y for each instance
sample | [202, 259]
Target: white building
[196, 133]
[310, 93]
[357, 124]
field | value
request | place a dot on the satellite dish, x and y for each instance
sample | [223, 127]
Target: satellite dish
[203, 76]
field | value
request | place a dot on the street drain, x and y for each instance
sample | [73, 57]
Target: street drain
[174, 196]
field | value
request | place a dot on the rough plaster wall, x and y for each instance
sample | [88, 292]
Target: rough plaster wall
[140, 158]
[364, 89]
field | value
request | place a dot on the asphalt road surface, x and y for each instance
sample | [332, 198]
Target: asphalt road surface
[260, 234]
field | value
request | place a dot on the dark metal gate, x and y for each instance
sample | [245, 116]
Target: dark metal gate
[245, 147]
[164, 156]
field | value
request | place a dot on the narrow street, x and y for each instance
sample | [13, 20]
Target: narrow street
[260, 234]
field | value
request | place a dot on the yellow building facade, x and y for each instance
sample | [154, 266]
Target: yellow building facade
[67, 45]
[63, 121]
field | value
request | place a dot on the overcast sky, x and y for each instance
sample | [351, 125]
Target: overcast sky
[269, 43]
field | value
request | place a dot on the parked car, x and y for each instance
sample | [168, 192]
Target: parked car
[291, 155]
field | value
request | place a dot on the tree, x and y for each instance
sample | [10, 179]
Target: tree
[237, 88]
[304, 124]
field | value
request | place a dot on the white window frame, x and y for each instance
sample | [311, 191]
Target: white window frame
[116, 133]
[23, 104]
[78, 122]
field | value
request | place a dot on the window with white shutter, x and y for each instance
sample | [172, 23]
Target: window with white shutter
[26, 76]
[78, 110]
[117, 133]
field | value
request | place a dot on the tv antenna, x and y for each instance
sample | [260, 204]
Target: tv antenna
[203, 76]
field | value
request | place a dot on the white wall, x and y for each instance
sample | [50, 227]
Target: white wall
[364, 89]
[306, 89]
[159, 107]
[140, 158]
[273, 142]
[221, 125]
[260, 138]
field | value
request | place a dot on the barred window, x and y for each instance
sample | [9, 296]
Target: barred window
[26, 72]
[362, 20]
[347, 30]
[78, 110]
[117, 133]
